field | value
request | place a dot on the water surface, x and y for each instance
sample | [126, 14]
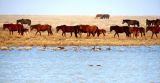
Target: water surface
[121, 64]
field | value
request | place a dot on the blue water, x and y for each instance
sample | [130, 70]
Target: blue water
[121, 64]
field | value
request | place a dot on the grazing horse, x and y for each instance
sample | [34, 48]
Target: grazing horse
[131, 22]
[103, 16]
[101, 31]
[13, 27]
[40, 28]
[67, 29]
[154, 30]
[88, 29]
[24, 21]
[120, 29]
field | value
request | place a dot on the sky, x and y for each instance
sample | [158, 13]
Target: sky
[80, 7]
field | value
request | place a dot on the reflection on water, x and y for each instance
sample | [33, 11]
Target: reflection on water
[107, 64]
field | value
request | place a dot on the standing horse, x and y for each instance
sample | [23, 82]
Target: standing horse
[40, 28]
[154, 30]
[142, 31]
[149, 22]
[131, 22]
[135, 31]
[103, 16]
[67, 29]
[13, 27]
[88, 29]
[25, 30]
[157, 22]
[24, 21]
[120, 29]
[101, 31]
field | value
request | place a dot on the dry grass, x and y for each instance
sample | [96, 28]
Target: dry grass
[57, 39]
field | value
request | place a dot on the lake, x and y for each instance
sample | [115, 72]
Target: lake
[81, 64]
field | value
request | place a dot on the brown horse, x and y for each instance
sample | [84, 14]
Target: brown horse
[13, 27]
[25, 30]
[120, 29]
[142, 31]
[88, 29]
[134, 31]
[101, 31]
[154, 30]
[40, 28]
[67, 29]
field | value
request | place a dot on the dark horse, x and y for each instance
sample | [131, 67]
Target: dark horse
[88, 29]
[103, 16]
[149, 22]
[40, 28]
[24, 21]
[120, 29]
[157, 22]
[131, 22]
[101, 31]
[67, 29]
[13, 27]
[154, 30]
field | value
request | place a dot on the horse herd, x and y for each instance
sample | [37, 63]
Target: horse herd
[152, 25]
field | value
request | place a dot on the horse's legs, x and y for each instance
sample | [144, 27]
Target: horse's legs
[156, 35]
[62, 33]
[152, 35]
[104, 34]
[118, 35]
[12, 32]
[36, 33]
[71, 34]
[40, 33]
[93, 34]
[115, 34]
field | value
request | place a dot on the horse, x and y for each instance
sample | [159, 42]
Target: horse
[156, 22]
[24, 21]
[131, 22]
[88, 29]
[134, 30]
[25, 30]
[13, 27]
[154, 30]
[142, 31]
[120, 29]
[40, 28]
[67, 29]
[101, 31]
[102, 16]
[149, 22]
